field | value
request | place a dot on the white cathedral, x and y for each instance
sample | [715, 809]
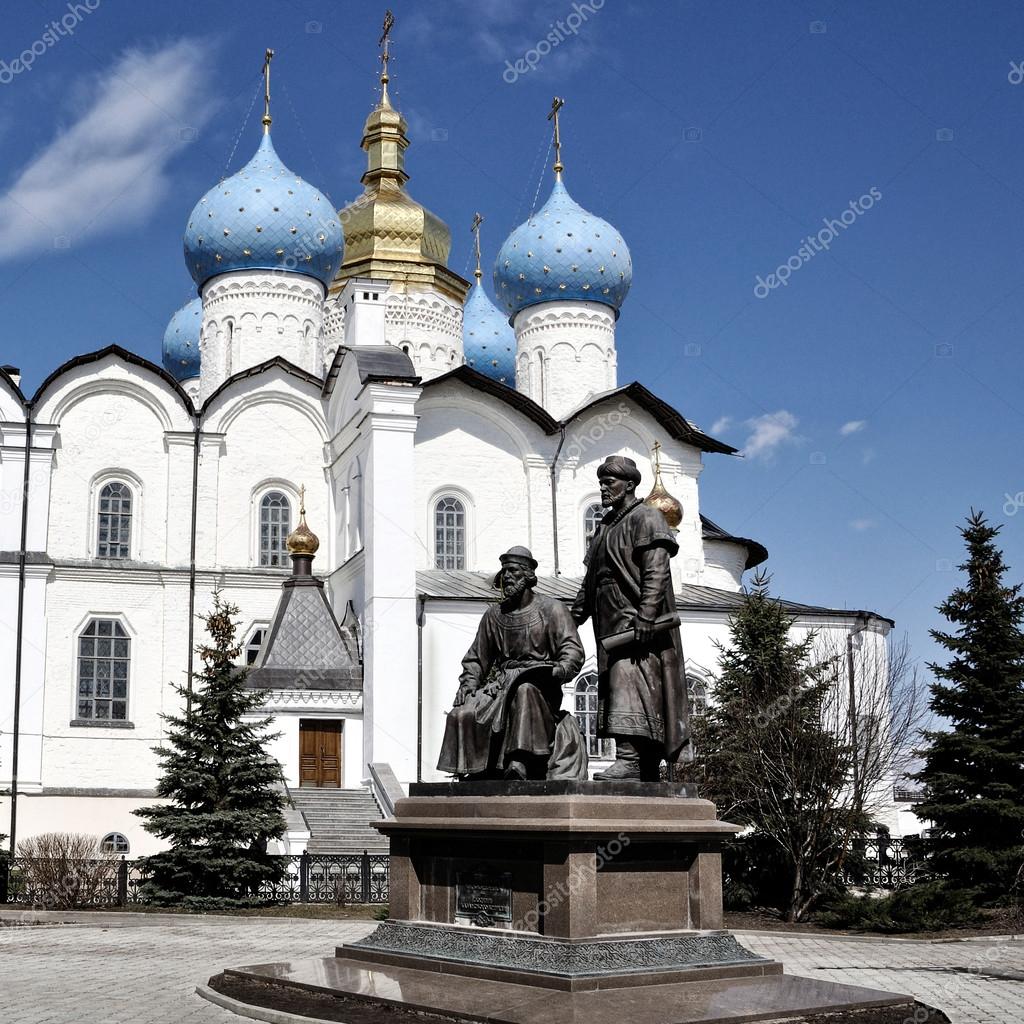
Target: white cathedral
[335, 354]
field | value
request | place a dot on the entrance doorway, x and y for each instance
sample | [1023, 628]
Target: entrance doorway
[319, 753]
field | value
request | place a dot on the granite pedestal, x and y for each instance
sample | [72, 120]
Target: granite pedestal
[513, 900]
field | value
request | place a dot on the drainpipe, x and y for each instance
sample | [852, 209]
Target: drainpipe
[192, 562]
[19, 636]
[554, 495]
[858, 796]
[420, 615]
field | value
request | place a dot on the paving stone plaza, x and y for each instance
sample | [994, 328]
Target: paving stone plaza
[143, 969]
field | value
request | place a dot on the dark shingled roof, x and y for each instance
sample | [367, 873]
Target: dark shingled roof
[305, 648]
[677, 425]
[464, 585]
[756, 552]
[488, 385]
[120, 353]
[386, 364]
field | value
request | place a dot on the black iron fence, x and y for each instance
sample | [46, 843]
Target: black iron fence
[306, 878]
[884, 862]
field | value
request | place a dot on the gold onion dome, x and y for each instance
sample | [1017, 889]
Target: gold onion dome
[388, 234]
[659, 498]
[302, 540]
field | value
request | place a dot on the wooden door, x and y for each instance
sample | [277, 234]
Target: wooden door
[319, 753]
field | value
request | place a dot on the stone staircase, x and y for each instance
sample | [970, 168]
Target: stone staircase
[339, 820]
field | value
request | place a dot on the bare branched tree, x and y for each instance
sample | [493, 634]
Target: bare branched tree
[805, 738]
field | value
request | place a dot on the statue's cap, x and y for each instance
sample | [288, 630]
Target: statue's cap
[621, 466]
[517, 555]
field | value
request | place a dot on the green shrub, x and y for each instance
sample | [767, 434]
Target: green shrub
[925, 907]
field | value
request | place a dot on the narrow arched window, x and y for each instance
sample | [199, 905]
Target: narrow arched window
[449, 533]
[104, 657]
[591, 521]
[585, 710]
[275, 525]
[697, 690]
[114, 521]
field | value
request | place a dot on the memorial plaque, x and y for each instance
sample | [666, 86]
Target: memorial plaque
[483, 897]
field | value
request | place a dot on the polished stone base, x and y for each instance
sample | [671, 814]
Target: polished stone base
[478, 999]
[563, 902]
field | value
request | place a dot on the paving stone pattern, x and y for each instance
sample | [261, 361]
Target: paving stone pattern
[134, 969]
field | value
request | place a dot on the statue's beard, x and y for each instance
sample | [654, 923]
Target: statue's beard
[512, 589]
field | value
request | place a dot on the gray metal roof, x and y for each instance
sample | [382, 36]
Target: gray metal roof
[756, 552]
[464, 585]
[386, 363]
[305, 648]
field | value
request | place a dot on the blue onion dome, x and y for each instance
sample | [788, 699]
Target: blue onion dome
[489, 344]
[181, 341]
[263, 218]
[562, 252]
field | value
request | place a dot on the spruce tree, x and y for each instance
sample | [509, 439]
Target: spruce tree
[225, 799]
[973, 772]
[769, 756]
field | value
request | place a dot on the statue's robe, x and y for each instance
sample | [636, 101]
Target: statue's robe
[641, 689]
[514, 706]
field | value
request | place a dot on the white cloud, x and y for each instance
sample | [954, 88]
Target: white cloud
[769, 432]
[721, 425]
[860, 525]
[867, 456]
[108, 169]
[852, 427]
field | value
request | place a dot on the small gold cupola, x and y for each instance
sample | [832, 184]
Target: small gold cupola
[302, 542]
[388, 235]
[659, 497]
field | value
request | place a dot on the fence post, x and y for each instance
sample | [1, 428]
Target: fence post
[5, 869]
[304, 876]
[364, 873]
[122, 883]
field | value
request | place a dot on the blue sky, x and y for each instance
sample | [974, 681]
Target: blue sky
[876, 393]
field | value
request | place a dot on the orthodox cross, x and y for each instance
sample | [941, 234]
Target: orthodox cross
[556, 105]
[657, 457]
[267, 58]
[385, 43]
[302, 500]
[477, 221]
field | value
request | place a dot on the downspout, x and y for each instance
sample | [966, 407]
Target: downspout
[192, 561]
[19, 634]
[420, 615]
[554, 495]
[858, 796]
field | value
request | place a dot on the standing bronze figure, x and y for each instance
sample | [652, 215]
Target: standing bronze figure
[507, 718]
[627, 591]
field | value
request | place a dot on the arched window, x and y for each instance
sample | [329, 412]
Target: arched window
[114, 521]
[275, 525]
[591, 521]
[449, 533]
[104, 655]
[697, 690]
[115, 842]
[585, 710]
[253, 644]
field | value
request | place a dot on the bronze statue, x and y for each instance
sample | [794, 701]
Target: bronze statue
[507, 718]
[627, 591]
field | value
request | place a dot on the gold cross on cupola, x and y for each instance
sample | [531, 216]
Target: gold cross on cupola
[475, 228]
[556, 105]
[267, 58]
